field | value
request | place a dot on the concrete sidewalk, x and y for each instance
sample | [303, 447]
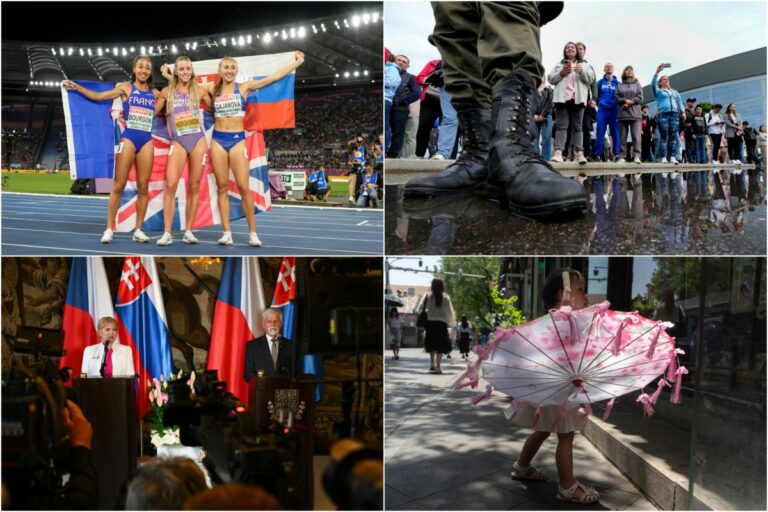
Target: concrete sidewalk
[443, 453]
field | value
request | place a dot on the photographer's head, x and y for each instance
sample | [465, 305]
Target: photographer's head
[165, 484]
[354, 478]
[272, 321]
[233, 497]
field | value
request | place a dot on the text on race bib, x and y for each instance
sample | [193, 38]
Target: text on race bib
[140, 118]
[186, 123]
[228, 105]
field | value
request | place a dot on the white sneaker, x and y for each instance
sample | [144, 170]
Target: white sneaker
[166, 239]
[637, 160]
[189, 237]
[737, 162]
[140, 236]
[664, 160]
[673, 160]
[106, 238]
[351, 199]
[578, 156]
[438, 157]
[226, 238]
[254, 240]
[622, 160]
[557, 156]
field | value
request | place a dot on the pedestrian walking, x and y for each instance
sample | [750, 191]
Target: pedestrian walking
[463, 336]
[395, 324]
[439, 310]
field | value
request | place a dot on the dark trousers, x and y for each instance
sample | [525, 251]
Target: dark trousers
[751, 153]
[397, 121]
[734, 148]
[430, 111]
[483, 42]
[716, 138]
[569, 116]
[646, 147]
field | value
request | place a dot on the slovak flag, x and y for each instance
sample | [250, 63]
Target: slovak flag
[236, 321]
[88, 300]
[142, 325]
[285, 293]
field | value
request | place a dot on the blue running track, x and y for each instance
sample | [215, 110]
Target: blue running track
[40, 225]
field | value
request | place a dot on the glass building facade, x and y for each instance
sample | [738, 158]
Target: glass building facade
[749, 95]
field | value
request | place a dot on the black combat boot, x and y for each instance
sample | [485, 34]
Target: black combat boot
[470, 170]
[518, 176]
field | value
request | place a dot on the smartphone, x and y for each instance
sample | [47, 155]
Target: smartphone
[666, 65]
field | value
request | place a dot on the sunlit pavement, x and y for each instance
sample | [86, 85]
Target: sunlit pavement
[443, 453]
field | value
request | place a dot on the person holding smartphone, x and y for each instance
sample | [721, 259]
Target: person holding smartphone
[670, 109]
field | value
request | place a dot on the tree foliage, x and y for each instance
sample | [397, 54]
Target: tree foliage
[478, 297]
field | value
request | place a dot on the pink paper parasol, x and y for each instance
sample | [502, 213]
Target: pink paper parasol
[569, 358]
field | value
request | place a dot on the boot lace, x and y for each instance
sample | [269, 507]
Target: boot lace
[519, 128]
[475, 146]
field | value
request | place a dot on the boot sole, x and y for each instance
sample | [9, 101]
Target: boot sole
[437, 192]
[545, 212]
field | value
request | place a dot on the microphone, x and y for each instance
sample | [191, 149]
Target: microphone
[104, 359]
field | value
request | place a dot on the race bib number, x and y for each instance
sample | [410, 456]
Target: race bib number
[228, 105]
[186, 123]
[140, 118]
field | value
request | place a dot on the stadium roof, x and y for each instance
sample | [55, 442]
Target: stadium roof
[342, 41]
[727, 69]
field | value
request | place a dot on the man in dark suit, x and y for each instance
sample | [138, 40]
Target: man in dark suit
[270, 353]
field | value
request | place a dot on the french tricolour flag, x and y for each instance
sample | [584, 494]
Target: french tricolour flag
[236, 321]
[93, 134]
[282, 299]
[88, 300]
[142, 325]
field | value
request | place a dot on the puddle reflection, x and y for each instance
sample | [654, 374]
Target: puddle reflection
[699, 212]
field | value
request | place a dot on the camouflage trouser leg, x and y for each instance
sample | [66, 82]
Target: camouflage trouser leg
[482, 42]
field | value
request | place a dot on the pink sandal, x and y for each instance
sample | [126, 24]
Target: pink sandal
[589, 494]
[527, 473]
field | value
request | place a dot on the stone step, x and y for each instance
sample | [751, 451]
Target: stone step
[406, 166]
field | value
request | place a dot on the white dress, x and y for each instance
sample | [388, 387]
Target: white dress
[574, 419]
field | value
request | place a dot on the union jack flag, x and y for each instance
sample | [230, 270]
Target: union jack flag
[269, 108]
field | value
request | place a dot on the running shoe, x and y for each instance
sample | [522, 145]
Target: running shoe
[189, 237]
[254, 240]
[226, 238]
[637, 160]
[166, 239]
[673, 160]
[106, 238]
[664, 160]
[140, 236]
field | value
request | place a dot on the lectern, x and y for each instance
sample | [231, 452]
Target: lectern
[110, 406]
[289, 401]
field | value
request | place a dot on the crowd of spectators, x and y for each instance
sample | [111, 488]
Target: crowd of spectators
[599, 118]
[19, 147]
[329, 120]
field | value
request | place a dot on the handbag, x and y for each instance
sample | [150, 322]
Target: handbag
[421, 321]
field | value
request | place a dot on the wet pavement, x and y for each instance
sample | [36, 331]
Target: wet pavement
[704, 212]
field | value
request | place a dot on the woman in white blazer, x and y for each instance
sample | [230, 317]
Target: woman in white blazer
[119, 359]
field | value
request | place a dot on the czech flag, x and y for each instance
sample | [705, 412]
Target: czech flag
[236, 321]
[285, 293]
[142, 324]
[88, 300]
